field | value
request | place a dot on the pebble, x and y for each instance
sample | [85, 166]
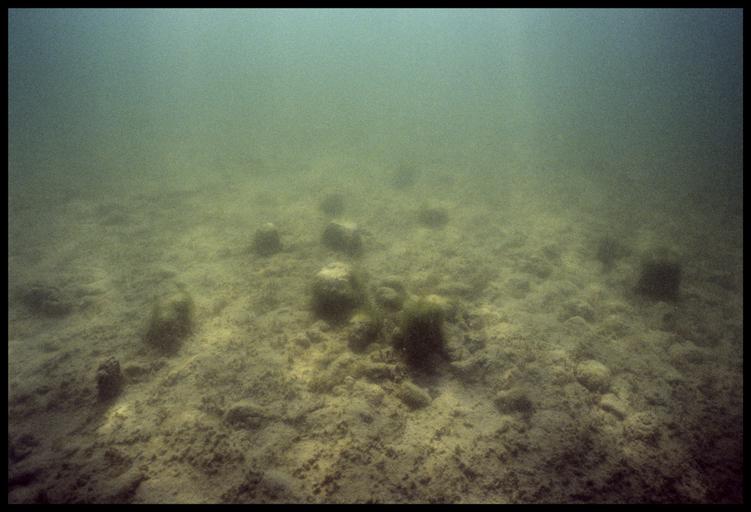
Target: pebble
[413, 396]
[612, 404]
[593, 375]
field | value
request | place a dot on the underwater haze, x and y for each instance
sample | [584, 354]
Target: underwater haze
[399, 256]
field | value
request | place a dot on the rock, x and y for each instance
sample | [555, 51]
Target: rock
[453, 339]
[552, 252]
[698, 330]
[336, 292]
[404, 176]
[343, 237]
[363, 330]
[109, 379]
[612, 404]
[610, 250]
[519, 288]
[433, 217]
[413, 396]
[422, 332]
[660, 279]
[726, 280]
[684, 355]
[642, 426]
[375, 371]
[452, 289]
[266, 240]
[245, 415]
[321, 326]
[269, 487]
[46, 301]
[393, 282]
[171, 320]
[577, 308]
[135, 372]
[332, 204]
[447, 307]
[17, 478]
[474, 342]
[388, 298]
[473, 368]
[390, 293]
[138, 373]
[301, 340]
[576, 325]
[124, 487]
[593, 375]
[538, 267]
[514, 400]
[333, 374]
[315, 334]
[613, 326]
[373, 393]
[22, 447]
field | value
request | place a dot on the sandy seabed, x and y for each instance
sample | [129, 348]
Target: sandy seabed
[511, 417]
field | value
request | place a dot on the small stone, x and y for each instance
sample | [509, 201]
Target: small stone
[390, 293]
[373, 393]
[389, 298]
[314, 335]
[405, 176]
[376, 372]
[725, 280]
[109, 379]
[46, 301]
[472, 368]
[21, 478]
[245, 415]
[452, 289]
[332, 204]
[454, 343]
[609, 250]
[612, 404]
[433, 217]
[538, 267]
[685, 355]
[343, 237]
[577, 308]
[474, 342]
[136, 372]
[301, 340]
[331, 373]
[362, 331]
[266, 240]
[22, 447]
[393, 282]
[593, 375]
[447, 307]
[642, 426]
[413, 396]
[321, 325]
[514, 400]
[577, 325]
[123, 487]
[519, 288]
[552, 253]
